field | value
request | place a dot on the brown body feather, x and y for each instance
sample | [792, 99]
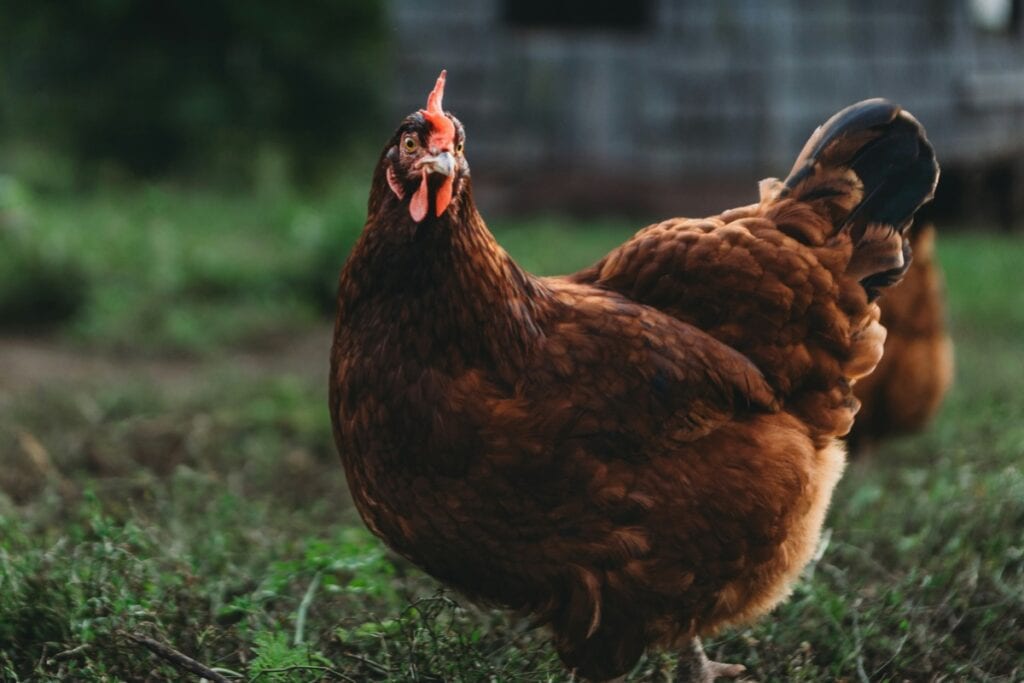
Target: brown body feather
[906, 389]
[637, 454]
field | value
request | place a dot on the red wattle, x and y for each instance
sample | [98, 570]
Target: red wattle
[444, 195]
[419, 201]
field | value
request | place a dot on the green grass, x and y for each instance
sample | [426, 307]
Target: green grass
[165, 270]
[216, 520]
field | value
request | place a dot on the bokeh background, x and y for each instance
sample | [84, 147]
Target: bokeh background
[180, 184]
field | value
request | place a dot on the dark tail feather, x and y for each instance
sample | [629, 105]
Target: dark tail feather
[868, 169]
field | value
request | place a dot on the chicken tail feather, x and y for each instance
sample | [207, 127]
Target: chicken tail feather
[867, 170]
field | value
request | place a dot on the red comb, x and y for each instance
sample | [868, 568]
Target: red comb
[437, 94]
[443, 135]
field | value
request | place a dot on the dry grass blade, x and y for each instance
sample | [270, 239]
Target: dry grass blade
[306, 667]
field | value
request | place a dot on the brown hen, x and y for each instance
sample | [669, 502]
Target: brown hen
[906, 389]
[641, 453]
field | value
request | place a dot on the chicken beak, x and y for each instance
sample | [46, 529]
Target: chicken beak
[443, 163]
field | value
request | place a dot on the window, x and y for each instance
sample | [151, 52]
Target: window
[579, 14]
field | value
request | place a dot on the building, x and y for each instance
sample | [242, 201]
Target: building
[659, 105]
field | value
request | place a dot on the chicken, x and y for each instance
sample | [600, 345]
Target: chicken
[906, 389]
[639, 454]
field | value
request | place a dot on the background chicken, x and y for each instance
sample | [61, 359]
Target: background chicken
[641, 453]
[907, 387]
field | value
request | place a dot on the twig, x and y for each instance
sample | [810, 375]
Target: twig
[379, 668]
[42, 657]
[178, 659]
[892, 657]
[225, 670]
[861, 673]
[68, 654]
[307, 600]
[858, 640]
[305, 667]
[438, 597]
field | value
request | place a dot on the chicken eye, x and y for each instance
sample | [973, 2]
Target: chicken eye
[459, 147]
[409, 143]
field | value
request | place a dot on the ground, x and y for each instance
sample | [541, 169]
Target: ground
[169, 472]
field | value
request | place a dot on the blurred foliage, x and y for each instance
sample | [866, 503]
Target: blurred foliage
[218, 89]
[189, 271]
[39, 286]
[166, 270]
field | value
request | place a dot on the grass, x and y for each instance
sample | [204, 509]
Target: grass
[216, 520]
[164, 270]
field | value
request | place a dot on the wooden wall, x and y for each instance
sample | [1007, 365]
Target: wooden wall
[709, 94]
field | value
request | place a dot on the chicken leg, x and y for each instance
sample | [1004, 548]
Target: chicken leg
[695, 667]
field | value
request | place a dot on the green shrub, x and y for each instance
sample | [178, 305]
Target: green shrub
[211, 88]
[40, 284]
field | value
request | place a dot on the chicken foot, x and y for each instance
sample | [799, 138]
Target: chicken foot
[695, 667]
